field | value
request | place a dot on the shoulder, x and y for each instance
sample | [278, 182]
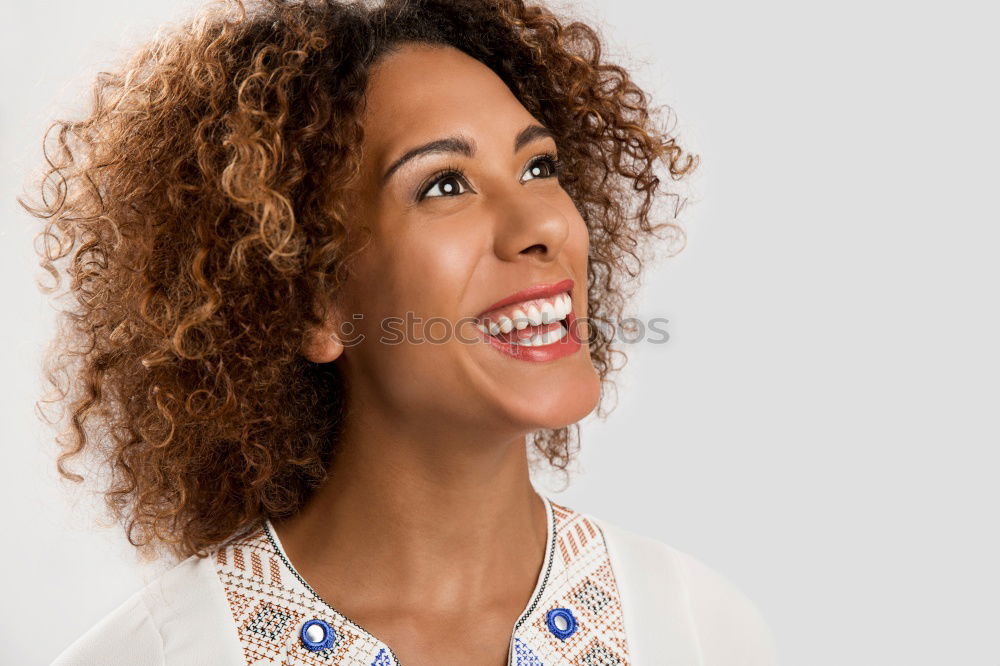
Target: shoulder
[180, 617]
[126, 635]
[671, 601]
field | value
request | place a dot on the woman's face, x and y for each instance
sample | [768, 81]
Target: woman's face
[444, 250]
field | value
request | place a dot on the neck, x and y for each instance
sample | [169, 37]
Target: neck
[428, 519]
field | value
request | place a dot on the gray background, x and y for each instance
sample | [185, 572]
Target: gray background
[821, 427]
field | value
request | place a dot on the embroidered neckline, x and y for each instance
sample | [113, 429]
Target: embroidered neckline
[272, 537]
[540, 584]
[574, 617]
[543, 578]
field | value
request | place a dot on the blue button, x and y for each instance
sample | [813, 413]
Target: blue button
[561, 623]
[317, 635]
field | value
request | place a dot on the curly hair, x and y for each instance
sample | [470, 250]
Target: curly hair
[195, 212]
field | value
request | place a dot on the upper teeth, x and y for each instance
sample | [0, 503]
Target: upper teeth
[530, 313]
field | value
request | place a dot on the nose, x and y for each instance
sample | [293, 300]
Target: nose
[530, 227]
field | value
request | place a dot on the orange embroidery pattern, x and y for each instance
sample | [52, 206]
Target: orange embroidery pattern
[581, 581]
[270, 609]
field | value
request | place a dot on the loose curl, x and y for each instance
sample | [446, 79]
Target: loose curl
[195, 212]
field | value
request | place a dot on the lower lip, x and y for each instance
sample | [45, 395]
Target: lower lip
[565, 346]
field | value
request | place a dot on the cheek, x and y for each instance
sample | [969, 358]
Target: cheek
[443, 260]
[578, 241]
[441, 247]
[422, 273]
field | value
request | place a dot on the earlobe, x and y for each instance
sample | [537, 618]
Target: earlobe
[322, 344]
[322, 347]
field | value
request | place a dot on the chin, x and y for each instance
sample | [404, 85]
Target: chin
[553, 406]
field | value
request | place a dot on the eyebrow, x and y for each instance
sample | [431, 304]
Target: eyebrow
[461, 145]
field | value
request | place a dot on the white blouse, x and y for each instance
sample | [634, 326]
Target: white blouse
[604, 596]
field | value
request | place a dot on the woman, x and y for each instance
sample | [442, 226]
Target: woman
[332, 264]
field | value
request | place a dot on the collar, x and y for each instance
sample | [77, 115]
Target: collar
[573, 617]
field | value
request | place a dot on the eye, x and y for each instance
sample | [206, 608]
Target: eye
[544, 166]
[447, 183]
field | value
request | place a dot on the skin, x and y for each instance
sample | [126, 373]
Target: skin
[429, 525]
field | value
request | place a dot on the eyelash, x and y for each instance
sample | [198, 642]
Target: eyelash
[554, 162]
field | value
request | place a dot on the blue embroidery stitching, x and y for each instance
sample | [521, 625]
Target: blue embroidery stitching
[525, 657]
[382, 659]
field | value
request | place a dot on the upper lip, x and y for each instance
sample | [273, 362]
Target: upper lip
[531, 293]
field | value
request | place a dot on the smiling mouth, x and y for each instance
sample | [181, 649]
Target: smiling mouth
[531, 323]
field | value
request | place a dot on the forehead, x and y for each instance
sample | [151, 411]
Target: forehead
[423, 92]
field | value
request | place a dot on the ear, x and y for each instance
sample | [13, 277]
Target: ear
[321, 343]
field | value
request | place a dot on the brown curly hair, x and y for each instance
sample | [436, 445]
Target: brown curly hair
[195, 212]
